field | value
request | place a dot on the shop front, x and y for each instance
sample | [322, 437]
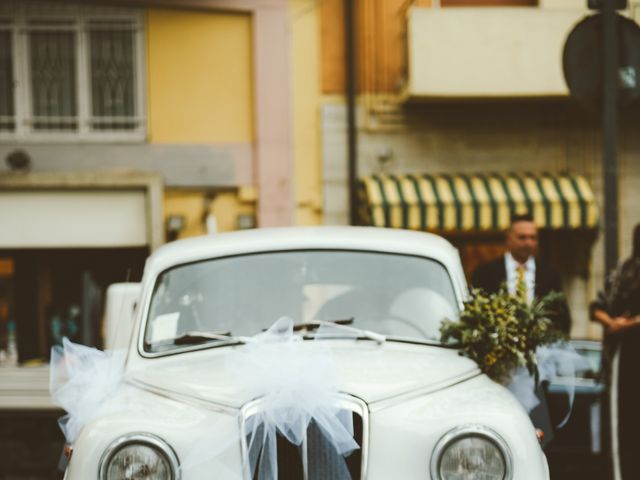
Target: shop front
[65, 238]
[473, 211]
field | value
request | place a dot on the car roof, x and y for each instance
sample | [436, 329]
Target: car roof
[303, 238]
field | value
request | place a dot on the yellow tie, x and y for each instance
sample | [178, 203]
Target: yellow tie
[521, 285]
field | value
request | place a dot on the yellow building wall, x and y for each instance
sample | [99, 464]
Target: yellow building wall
[194, 206]
[200, 90]
[305, 47]
[381, 44]
[199, 77]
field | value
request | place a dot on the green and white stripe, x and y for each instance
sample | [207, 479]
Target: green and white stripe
[482, 202]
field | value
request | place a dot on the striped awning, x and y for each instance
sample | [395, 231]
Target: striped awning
[484, 202]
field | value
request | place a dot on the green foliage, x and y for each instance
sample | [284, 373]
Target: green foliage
[501, 331]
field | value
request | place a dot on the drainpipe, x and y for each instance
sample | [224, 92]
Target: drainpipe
[609, 134]
[351, 90]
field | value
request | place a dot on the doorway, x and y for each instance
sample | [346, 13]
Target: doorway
[47, 294]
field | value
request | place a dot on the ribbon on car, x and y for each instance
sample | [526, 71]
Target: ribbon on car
[298, 390]
[86, 383]
[295, 381]
[559, 360]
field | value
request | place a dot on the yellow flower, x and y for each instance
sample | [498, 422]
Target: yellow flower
[490, 359]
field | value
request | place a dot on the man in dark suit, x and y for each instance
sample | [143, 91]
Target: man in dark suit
[519, 264]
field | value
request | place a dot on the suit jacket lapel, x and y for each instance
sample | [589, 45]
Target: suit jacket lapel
[539, 286]
[501, 270]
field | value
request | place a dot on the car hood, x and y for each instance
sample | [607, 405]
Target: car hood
[367, 370]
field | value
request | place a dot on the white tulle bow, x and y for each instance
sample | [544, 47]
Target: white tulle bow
[86, 383]
[559, 360]
[296, 384]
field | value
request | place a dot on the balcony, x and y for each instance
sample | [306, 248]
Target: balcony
[498, 52]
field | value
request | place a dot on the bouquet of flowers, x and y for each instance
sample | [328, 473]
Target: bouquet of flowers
[501, 332]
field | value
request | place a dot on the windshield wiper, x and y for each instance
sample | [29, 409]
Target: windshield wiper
[432, 342]
[194, 337]
[339, 325]
[316, 323]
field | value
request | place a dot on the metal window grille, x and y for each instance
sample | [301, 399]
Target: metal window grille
[112, 67]
[52, 65]
[70, 71]
[7, 111]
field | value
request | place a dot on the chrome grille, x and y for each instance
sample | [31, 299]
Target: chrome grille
[314, 459]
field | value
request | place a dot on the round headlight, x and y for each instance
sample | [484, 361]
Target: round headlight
[140, 456]
[471, 452]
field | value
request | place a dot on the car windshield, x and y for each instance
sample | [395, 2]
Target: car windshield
[396, 295]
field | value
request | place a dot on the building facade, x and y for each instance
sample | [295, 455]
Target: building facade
[232, 114]
[462, 95]
[127, 124]
[123, 125]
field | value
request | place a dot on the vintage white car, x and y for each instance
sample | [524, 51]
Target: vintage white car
[193, 405]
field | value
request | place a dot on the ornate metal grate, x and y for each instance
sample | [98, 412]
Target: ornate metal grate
[70, 69]
[7, 121]
[112, 75]
[52, 59]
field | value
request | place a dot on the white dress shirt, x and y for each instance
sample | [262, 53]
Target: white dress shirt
[511, 267]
